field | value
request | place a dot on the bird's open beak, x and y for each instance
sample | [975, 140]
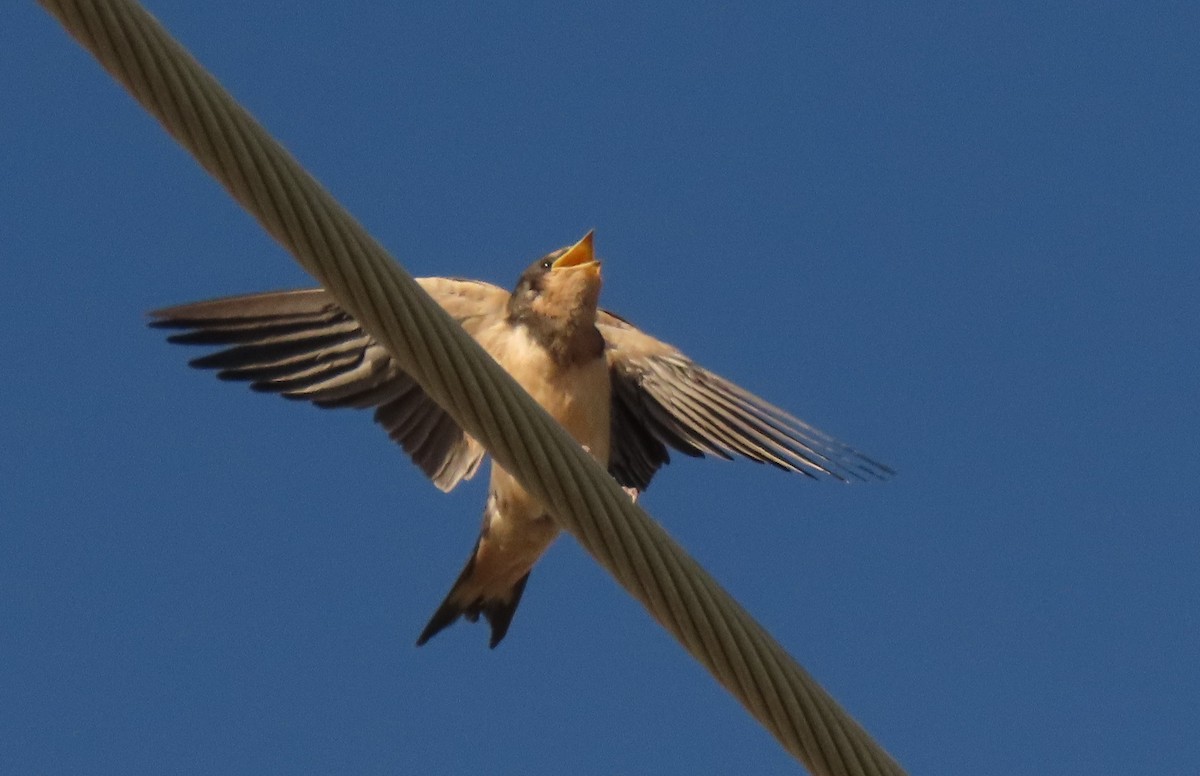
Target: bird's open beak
[579, 255]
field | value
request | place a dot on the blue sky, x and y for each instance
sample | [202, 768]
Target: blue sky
[963, 239]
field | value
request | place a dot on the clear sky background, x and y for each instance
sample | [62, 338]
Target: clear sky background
[963, 238]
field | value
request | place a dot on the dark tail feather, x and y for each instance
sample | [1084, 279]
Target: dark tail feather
[499, 611]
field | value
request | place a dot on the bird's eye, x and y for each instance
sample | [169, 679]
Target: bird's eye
[547, 264]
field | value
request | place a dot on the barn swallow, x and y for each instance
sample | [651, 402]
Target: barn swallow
[622, 394]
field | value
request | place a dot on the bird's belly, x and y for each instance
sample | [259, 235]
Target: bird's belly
[517, 528]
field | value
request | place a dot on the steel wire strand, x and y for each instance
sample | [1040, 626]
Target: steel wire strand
[456, 372]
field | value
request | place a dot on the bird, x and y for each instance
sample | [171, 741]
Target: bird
[625, 396]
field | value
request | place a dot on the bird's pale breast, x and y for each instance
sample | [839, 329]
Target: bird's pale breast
[579, 397]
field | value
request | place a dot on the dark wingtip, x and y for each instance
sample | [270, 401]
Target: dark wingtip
[161, 319]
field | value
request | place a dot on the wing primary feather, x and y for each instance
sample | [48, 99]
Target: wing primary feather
[297, 366]
[302, 345]
[762, 440]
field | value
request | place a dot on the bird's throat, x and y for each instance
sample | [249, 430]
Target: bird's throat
[569, 342]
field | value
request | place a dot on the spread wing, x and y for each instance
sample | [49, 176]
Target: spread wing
[302, 345]
[661, 399]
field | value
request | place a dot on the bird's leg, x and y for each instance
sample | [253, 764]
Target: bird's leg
[631, 492]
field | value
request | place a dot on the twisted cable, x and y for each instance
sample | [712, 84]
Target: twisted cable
[455, 371]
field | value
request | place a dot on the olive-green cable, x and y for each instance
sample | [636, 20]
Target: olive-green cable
[456, 372]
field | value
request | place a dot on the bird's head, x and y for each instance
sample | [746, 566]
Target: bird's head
[562, 287]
